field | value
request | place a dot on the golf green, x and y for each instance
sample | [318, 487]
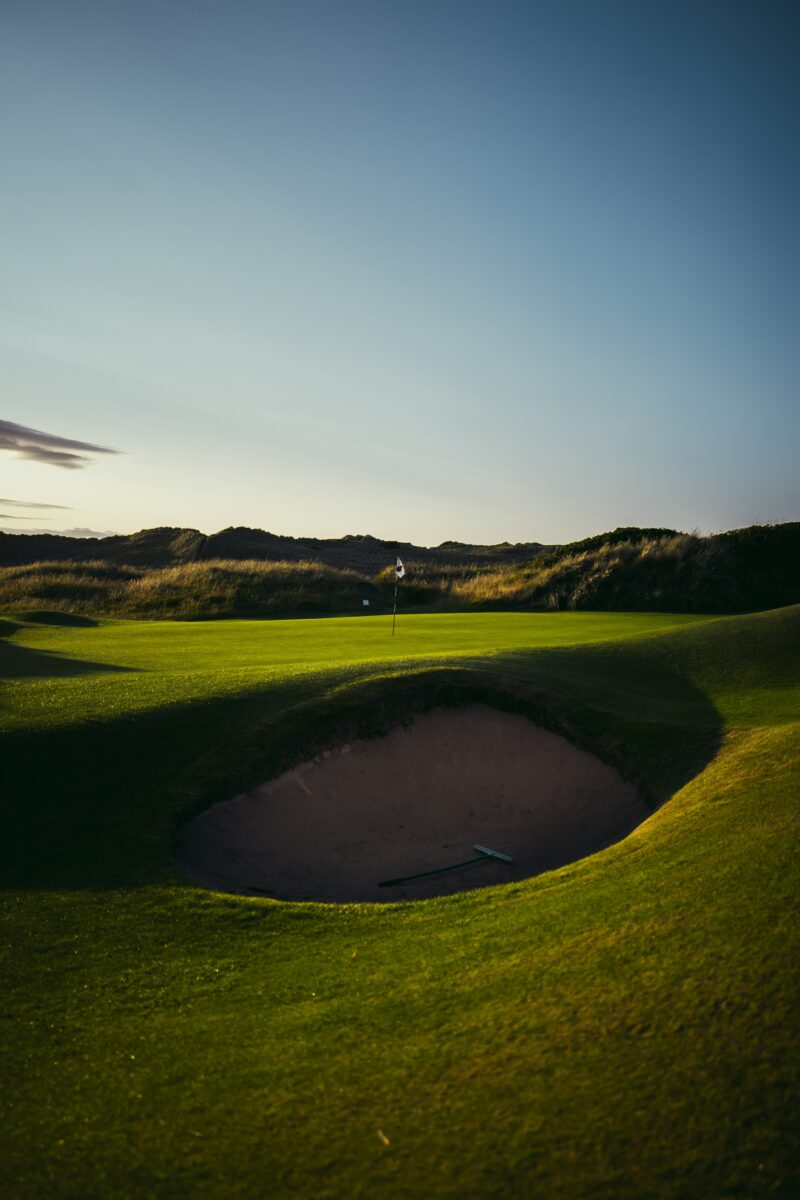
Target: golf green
[623, 1026]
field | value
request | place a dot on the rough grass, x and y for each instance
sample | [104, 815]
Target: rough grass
[218, 588]
[627, 570]
[675, 572]
[625, 1026]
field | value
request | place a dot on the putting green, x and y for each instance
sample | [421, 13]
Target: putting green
[623, 1026]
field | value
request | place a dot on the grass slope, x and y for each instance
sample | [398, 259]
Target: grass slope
[624, 1026]
[247, 573]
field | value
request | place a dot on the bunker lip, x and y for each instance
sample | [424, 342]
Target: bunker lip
[420, 798]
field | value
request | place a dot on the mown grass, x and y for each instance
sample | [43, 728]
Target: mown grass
[64, 674]
[625, 1026]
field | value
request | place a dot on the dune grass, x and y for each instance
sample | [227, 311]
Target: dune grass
[634, 570]
[186, 591]
[625, 1026]
[647, 570]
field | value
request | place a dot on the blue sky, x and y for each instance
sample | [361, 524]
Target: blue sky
[477, 271]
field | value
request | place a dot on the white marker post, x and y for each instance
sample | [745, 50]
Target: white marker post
[399, 572]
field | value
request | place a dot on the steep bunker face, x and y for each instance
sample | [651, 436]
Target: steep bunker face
[347, 824]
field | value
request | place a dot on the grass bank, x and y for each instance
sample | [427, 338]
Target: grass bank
[624, 1026]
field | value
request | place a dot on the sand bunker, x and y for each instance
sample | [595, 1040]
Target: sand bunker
[332, 829]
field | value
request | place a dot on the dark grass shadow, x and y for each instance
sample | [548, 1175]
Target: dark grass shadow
[94, 806]
[38, 616]
[22, 662]
[637, 711]
[98, 806]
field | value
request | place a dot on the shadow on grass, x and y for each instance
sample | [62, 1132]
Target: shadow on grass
[97, 806]
[22, 662]
[37, 616]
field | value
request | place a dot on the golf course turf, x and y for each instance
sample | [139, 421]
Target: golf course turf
[624, 1026]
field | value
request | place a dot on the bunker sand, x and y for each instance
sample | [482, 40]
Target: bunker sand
[332, 828]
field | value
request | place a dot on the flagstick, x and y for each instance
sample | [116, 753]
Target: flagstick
[399, 572]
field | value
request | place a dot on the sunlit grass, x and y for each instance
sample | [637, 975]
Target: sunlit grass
[155, 663]
[625, 1026]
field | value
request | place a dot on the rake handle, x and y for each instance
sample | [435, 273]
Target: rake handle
[436, 871]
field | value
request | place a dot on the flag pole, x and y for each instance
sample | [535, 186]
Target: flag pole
[399, 572]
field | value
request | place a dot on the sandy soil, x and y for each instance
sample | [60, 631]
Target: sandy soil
[334, 827]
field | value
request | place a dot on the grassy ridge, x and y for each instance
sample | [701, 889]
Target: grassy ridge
[188, 591]
[167, 546]
[624, 1026]
[641, 570]
[636, 570]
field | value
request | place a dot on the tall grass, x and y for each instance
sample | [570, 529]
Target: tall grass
[658, 571]
[628, 570]
[193, 590]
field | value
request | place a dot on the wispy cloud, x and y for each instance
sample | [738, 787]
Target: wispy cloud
[42, 447]
[31, 504]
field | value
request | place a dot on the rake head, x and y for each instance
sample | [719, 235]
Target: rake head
[493, 853]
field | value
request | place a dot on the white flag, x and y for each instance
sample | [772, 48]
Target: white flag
[399, 570]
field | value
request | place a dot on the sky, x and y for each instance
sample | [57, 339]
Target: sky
[476, 271]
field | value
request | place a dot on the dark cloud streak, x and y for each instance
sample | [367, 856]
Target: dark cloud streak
[32, 504]
[38, 446]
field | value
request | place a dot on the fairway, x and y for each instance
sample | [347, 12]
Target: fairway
[623, 1026]
[161, 662]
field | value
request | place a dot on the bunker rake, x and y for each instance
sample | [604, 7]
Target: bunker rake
[483, 856]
